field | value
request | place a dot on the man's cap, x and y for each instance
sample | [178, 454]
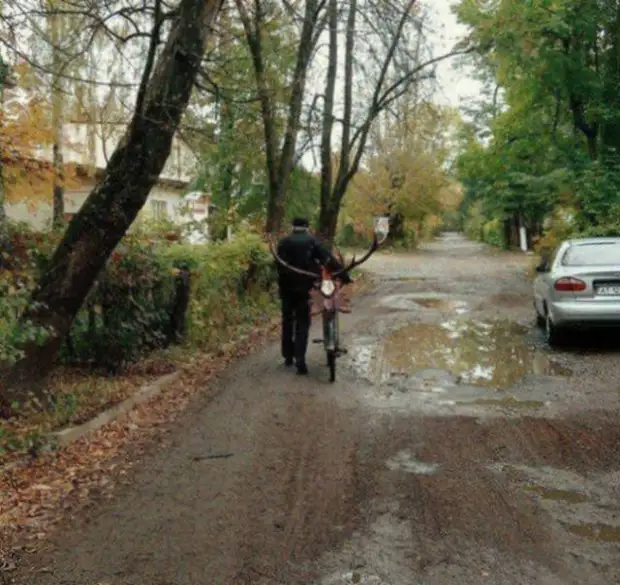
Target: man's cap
[301, 222]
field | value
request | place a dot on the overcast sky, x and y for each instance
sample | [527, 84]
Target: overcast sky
[456, 86]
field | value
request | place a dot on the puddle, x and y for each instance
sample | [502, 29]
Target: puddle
[508, 402]
[355, 577]
[404, 461]
[558, 495]
[491, 354]
[402, 279]
[598, 532]
[426, 300]
[444, 305]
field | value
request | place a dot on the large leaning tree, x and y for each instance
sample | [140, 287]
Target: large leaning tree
[166, 85]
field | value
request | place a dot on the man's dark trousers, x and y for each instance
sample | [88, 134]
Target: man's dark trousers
[295, 325]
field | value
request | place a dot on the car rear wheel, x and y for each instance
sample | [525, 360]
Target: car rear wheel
[552, 333]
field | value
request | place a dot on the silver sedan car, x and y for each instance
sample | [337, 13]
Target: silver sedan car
[578, 285]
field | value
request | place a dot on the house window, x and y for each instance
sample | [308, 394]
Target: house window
[159, 209]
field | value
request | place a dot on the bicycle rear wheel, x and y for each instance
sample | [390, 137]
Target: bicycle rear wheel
[331, 364]
[330, 338]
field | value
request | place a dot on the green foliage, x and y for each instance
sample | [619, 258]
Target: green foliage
[473, 223]
[492, 233]
[19, 265]
[409, 238]
[348, 237]
[231, 287]
[132, 308]
[127, 312]
[232, 168]
[304, 195]
[552, 133]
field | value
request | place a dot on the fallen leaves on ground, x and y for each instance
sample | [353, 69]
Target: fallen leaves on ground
[80, 395]
[36, 494]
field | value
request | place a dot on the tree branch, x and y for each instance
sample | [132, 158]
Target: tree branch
[150, 59]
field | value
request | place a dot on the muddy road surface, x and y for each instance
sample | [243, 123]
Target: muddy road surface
[454, 449]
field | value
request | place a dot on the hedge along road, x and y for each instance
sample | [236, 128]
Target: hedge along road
[454, 449]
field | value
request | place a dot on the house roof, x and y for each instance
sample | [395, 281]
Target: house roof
[83, 171]
[91, 145]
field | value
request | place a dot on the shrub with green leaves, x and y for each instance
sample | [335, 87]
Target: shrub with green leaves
[18, 272]
[127, 312]
[133, 308]
[493, 234]
[231, 286]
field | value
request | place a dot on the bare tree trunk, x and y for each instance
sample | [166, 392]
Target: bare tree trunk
[58, 189]
[353, 147]
[226, 171]
[280, 162]
[328, 123]
[115, 202]
[4, 220]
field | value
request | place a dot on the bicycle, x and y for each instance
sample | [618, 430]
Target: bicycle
[329, 286]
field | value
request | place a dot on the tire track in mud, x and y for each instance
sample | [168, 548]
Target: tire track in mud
[466, 514]
[311, 501]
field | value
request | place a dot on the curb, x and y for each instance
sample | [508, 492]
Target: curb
[62, 438]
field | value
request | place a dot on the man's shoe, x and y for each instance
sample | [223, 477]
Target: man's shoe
[288, 361]
[302, 370]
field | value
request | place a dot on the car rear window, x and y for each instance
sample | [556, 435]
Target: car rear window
[603, 254]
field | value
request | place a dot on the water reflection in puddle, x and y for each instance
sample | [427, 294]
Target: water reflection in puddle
[493, 354]
[508, 402]
[444, 305]
[557, 495]
[405, 461]
[433, 301]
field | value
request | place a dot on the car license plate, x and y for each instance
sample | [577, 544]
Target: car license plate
[608, 291]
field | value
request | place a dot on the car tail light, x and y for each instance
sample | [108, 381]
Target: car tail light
[570, 284]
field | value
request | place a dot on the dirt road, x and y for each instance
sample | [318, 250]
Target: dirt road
[455, 449]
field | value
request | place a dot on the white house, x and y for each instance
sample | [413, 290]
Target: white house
[89, 146]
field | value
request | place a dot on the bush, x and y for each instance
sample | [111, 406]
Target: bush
[349, 237]
[19, 267]
[409, 239]
[493, 233]
[231, 285]
[474, 223]
[128, 311]
[149, 290]
[558, 227]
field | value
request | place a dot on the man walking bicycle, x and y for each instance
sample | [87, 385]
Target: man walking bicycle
[303, 251]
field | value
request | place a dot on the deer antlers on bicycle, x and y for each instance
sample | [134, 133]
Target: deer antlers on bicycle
[346, 267]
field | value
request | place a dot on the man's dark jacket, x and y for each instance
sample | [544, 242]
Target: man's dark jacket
[302, 250]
